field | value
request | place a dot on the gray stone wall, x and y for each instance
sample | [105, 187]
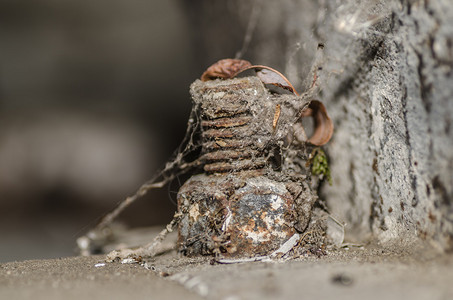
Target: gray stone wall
[392, 155]
[387, 83]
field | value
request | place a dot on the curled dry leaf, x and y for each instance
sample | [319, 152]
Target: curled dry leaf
[272, 76]
[225, 68]
[323, 124]
[229, 68]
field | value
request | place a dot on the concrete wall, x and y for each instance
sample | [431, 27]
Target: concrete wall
[392, 155]
[387, 83]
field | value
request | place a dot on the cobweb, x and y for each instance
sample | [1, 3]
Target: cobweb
[175, 167]
[185, 159]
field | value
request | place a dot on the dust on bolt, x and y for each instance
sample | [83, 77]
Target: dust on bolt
[254, 193]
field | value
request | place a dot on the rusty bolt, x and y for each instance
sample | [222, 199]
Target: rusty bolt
[255, 191]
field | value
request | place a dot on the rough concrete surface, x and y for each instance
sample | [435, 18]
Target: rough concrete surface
[385, 76]
[392, 150]
[79, 278]
[367, 273]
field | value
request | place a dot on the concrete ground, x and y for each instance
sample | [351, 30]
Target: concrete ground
[367, 272]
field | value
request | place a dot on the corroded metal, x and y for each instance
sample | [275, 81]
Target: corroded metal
[255, 193]
[235, 215]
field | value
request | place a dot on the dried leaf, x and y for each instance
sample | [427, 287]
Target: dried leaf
[323, 124]
[225, 69]
[229, 68]
[274, 77]
[271, 76]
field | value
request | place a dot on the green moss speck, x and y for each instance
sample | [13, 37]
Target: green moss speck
[320, 165]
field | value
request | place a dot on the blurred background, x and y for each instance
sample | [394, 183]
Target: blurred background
[93, 101]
